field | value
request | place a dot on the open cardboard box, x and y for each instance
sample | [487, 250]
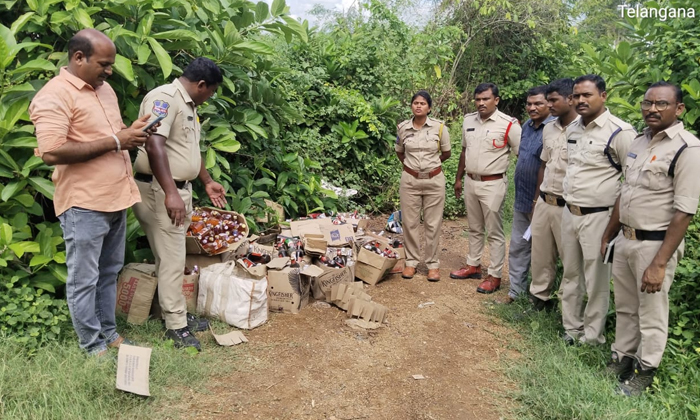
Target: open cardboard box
[371, 267]
[287, 290]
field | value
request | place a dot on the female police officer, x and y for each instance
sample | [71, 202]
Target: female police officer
[422, 144]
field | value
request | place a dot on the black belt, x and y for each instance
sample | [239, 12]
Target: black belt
[643, 235]
[582, 211]
[149, 178]
[552, 199]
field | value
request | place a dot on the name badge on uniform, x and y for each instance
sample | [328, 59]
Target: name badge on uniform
[571, 141]
[471, 129]
[632, 155]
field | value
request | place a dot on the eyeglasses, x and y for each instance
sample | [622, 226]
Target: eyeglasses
[660, 105]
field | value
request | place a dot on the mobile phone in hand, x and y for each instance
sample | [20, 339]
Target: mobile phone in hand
[609, 252]
[152, 123]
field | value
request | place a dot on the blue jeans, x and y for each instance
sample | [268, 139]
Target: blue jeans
[95, 245]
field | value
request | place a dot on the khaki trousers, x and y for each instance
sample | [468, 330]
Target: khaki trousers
[641, 329]
[429, 195]
[546, 247]
[584, 274]
[484, 203]
[167, 242]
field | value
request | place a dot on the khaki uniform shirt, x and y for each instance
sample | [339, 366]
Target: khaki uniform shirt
[591, 181]
[554, 154]
[180, 127]
[487, 149]
[422, 148]
[650, 195]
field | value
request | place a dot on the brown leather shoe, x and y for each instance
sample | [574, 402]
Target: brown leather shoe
[408, 272]
[119, 341]
[490, 285]
[506, 300]
[468, 272]
[434, 274]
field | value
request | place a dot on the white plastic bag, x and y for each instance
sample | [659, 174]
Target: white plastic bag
[231, 295]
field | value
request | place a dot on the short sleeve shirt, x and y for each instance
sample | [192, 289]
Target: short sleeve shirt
[486, 146]
[554, 153]
[68, 110]
[650, 194]
[422, 147]
[180, 127]
[591, 180]
[528, 165]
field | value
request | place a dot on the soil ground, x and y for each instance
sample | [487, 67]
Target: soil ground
[313, 366]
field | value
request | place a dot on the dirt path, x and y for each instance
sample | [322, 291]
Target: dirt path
[313, 366]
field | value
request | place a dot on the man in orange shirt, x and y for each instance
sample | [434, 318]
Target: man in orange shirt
[79, 129]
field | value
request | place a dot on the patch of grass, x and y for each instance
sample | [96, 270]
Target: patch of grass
[61, 382]
[562, 382]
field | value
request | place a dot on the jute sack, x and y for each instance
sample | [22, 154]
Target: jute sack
[228, 293]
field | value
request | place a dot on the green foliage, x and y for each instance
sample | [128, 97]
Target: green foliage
[651, 51]
[556, 381]
[28, 315]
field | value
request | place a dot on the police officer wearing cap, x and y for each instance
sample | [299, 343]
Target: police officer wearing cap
[597, 145]
[164, 169]
[658, 201]
[488, 136]
[422, 144]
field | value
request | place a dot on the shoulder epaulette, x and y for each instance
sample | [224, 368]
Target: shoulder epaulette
[689, 138]
[620, 123]
[402, 123]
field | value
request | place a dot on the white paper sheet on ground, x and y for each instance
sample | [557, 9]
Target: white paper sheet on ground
[528, 234]
[133, 364]
[230, 339]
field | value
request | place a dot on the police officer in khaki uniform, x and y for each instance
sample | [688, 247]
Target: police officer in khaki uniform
[422, 144]
[658, 200]
[546, 218]
[597, 145]
[163, 175]
[488, 136]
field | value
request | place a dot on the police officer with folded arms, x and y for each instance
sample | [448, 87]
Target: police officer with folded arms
[658, 201]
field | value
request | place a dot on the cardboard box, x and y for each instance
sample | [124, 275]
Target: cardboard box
[323, 279]
[371, 267]
[276, 209]
[335, 235]
[135, 289]
[190, 290]
[315, 244]
[203, 260]
[287, 290]
[401, 263]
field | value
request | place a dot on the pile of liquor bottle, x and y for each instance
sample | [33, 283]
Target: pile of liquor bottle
[381, 249]
[253, 259]
[215, 230]
[291, 247]
[337, 258]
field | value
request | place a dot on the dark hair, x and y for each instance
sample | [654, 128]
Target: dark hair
[678, 91]
[79, 43]
[599, 81]
[564, 87]
[425, 95]
[203, 69]
[538, 90]
[483, 87]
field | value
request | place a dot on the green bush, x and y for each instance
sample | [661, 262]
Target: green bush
[29, 315]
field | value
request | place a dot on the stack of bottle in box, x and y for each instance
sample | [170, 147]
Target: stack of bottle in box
[216, 230]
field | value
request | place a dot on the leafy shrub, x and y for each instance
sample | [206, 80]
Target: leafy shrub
[29, 315]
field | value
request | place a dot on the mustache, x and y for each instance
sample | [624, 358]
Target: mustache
[657, 116]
